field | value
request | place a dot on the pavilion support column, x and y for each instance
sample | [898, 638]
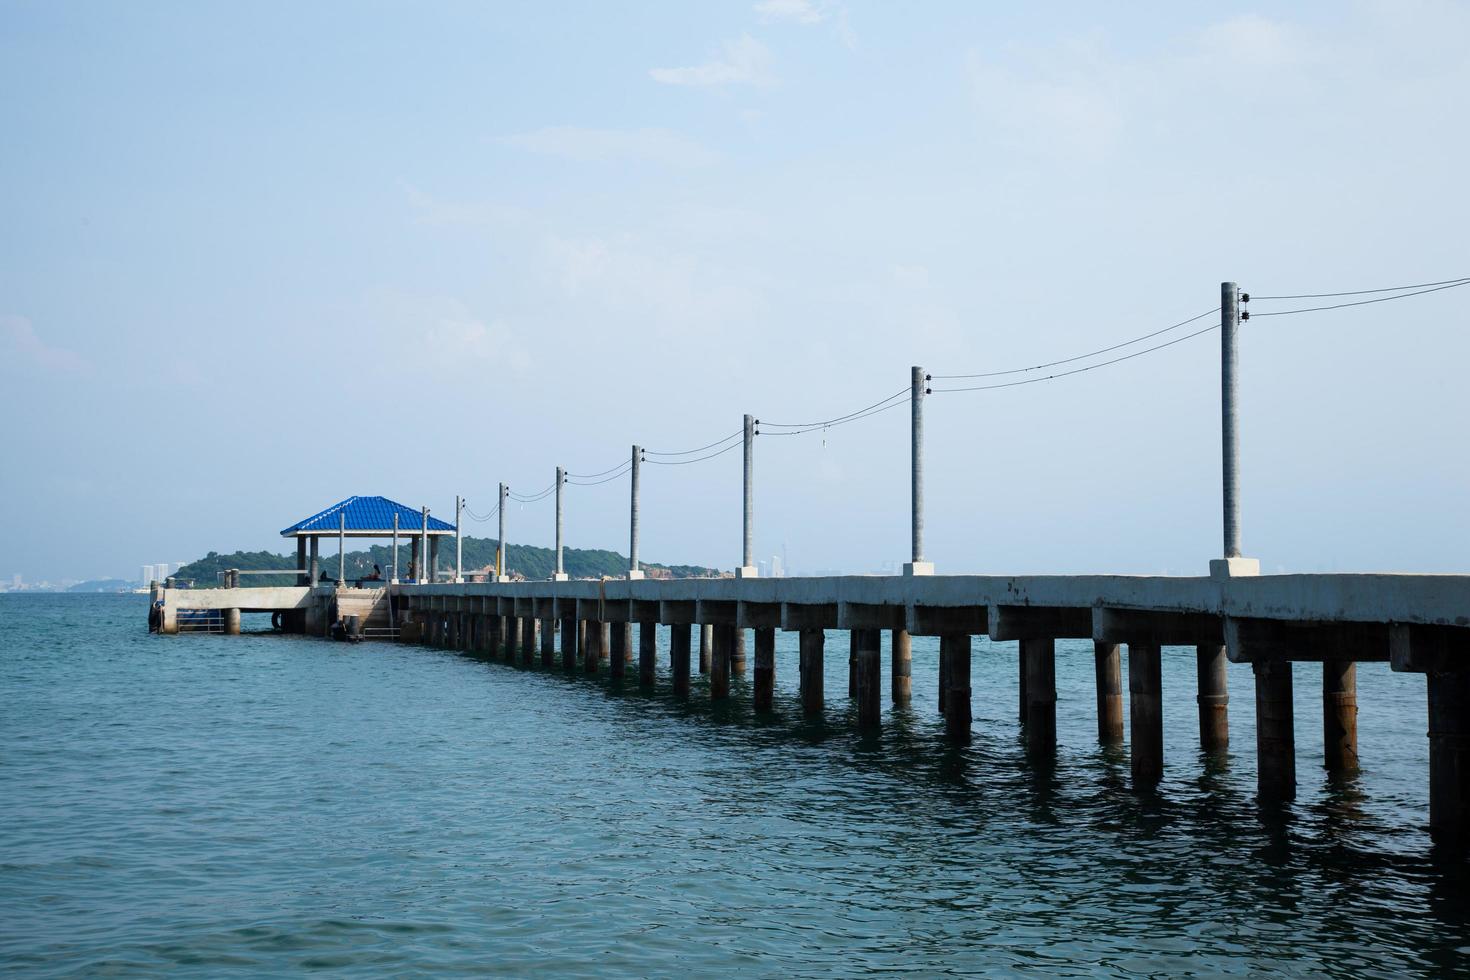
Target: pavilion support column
[433, 568]
[1275, 733]
[1041, 694]
[301, 567]
[1340, 715]
[647, 652]
[1449, 753]
[592, 654]
[569, 643]
[869, 677]
[1146, 713]
[765, 669]
[619, 653]
[812, 643]
[954, 654]
[680, 635]
[314, 575]
[1108, 667]
[903, 667]
[548, 642]
[1213, 697]
[719, 666]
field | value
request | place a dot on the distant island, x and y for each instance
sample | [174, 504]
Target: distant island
[479, 553]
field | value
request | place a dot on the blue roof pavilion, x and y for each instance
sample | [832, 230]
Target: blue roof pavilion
[367, 517]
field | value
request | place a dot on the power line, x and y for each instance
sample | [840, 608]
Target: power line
[477, 517]
[841, 418]
[591, 476]
[622, 471]
[1364, 292]
[833, 425]
[1363, 302]
[701, 459]
[531, 498]
[691, 452]
[1079, 357]
[1081, 370]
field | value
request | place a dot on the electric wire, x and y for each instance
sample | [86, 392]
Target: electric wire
[1364, 292]
[833, 425]
[477, 517]
[700, 459]
[590, 476]
[1361, 302]
[606, 479]
[691, 452]
[841, 418]
[1078, 357]
[1081, 370]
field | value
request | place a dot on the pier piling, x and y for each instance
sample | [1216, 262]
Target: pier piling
[1340, 715]
[765, 668]
[1275, 737]
[812, 643]
[903, 665]
[593, 653]
[869, 676]
[1039, 655]
[619, 653]
[706, 646]
[1213, 697]
[569, 630]
[1108, 662]
[954, 654]
[548, 642]
[1146, 714]
[719, 668]
[679, 640]
[647, 652]
[1449, 753]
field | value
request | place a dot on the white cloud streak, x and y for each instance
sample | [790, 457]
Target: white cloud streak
[743, 61]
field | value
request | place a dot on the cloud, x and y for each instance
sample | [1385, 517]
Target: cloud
[1251, 41]
[659, 146]
[743, 61]
[1067, 99]
[442, 333]
[20, 338]
[798, 11]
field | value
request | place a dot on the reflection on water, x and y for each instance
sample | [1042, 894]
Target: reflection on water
[266, 804]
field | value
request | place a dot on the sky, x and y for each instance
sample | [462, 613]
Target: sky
[256, 258]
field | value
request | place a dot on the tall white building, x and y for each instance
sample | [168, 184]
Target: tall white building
[147, 575]
[778, 570]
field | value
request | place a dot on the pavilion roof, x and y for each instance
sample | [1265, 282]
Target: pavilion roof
[367, 517]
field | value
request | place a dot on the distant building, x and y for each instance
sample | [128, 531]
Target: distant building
[15, 581]
[778, 569]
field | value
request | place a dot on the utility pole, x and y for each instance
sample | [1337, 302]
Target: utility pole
[747, 567]
[560, 574]
[1232, 564]
[458, 541]
[919, 387]
[500, 544]
[426, 574]
[634, 572]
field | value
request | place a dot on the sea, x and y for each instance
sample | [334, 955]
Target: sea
[261, 805]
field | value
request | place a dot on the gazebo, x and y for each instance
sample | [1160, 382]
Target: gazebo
[369, 517]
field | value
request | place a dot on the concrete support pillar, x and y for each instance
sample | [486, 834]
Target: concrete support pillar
[737, 655]
[593, 654]
[719, 665]
[812, 643]
[1213, 698]
[301, 566]
[604, 650]
[314, 572]
[706, 647]
[530, 640]
[1108, 663]
[1021, 673]
[1449, 754]
[618, 634]
[494, 634]
[765, 669]
[628, 646]
[679, 641]
[1275, 734]
[943, 676]
[903, 666]
[869, 677]
[548, 642]
[232, 622]
[1340, 715]
[451, 630]
[954, 654]
[852, 653]
[647, 652]
[569, 643]
[1041, 694]
[514, 626]
[1146, 713]
[433, 566]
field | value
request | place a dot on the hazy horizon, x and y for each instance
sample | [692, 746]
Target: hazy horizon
[259, 259]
